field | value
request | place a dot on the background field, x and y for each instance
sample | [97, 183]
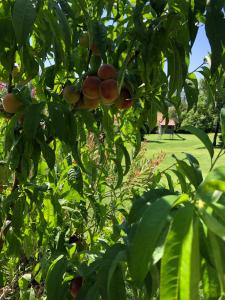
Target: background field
[183, 143]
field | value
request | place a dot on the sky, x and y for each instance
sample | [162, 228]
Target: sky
[200, 49]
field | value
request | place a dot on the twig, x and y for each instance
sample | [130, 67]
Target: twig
[218, 156]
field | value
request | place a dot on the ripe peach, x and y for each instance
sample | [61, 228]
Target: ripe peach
[124, 101]
[87, 103]
[107, 71]
[71, 94]
[91, 87]
[127, 103]
[11, 104]
[75, 286]
[109, 91]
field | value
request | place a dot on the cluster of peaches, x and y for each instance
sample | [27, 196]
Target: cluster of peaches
[102, 88]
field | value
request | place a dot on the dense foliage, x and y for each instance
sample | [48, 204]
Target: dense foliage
[82, 213]
[205, 114]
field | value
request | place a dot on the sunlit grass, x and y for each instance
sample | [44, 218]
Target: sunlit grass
[185, 143]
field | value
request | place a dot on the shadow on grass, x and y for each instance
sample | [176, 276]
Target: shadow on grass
[161, 141]
[152, 141]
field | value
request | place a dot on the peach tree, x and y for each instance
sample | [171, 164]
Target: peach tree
[82, 215]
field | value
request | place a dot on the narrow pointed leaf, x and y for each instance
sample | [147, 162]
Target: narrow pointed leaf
[214, 181]
[24, 14]
[213, 225]
[32, 119]
[54, 278]
[218, 261]
[190, 264]
[203, 138]
[145, 237]
[171, 261]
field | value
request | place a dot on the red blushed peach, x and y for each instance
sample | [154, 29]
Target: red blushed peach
[109, 91]
[75, 286]
[125, 104]
[11, 104]
[124, 101]
[107, 71]
[91, 86]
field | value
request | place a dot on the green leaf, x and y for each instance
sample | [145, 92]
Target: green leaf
[193, 160]
[190, 172]
[152, 116]
[32, 117]
[49, 212]
[18, 214]
[214, 225]
[210, 282]
[119, 172]
[218, 261]
[222, 124]
[179, 239]
[107, 122]
[35, 158]
[148, 229]
[169, 181]
[76, 156]
[54, 278]
[24, 15]
[117, 286]
[109, 270]
[66, 34]
[127, 159]
[191, 90]
[182, 181]
[219, 210]
[98, 37]
[57, 114]
[189, 270]
[214, 181]
[10, 138]
[203, 138]
[137, 144]
[140, 204]
[48, 154]
[175, 70]
[214, 27]
[31, 66]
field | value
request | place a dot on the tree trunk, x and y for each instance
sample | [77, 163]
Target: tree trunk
[216, 132]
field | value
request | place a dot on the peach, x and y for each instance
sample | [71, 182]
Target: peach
[124, 101]
[71, 94]
[11, 104]
[75, 286]
[107, 71]
[125, 104]
[91, 87]
[109, 91]
[87, 103]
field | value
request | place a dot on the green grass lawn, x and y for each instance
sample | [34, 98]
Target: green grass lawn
[189, 144]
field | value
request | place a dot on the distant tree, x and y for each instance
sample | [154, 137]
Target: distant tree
[205, 114]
